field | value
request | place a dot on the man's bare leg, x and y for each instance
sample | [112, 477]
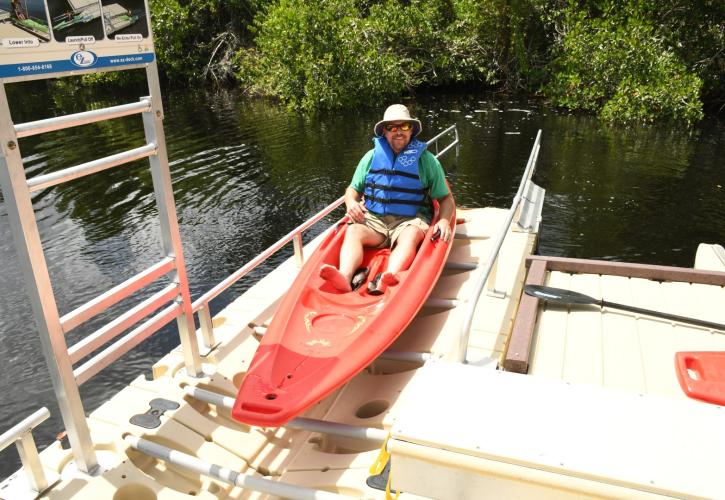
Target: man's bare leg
[351, 254]
[403, 254]
[335, 278]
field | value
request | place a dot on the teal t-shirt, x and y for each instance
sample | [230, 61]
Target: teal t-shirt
[430, 172]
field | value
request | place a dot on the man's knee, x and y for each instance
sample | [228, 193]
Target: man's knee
[410, 236]
[359, 231]
[356, 231]
[364, 235]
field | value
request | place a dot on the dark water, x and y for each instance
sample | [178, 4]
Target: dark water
[247, 172]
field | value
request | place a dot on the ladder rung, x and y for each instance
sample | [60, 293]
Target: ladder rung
[84, 118]
[125, 344]
[95, 340]
[116, 294]
[91, 167]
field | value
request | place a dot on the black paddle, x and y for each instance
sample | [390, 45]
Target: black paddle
[568, 297]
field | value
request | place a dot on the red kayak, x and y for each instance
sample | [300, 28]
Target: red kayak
[320, 337]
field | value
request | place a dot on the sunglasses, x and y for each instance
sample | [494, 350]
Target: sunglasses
[394, 128]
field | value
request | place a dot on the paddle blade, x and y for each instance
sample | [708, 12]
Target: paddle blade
[559, 295]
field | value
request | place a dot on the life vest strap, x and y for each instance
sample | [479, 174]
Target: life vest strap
[386, 171]
[381, 187]
[394, 202]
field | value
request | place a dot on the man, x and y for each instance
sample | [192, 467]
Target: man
[397, 178]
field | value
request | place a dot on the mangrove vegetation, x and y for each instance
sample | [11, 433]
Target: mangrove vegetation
[627, 61]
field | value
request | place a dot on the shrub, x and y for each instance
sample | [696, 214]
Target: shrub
[345, 53]
[623, 71]
[318, 57]
[195, 40]
[172, 25]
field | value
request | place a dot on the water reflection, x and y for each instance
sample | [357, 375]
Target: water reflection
[247, 172]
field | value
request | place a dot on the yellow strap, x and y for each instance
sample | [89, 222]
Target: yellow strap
[387, 486]
[382, 459]
[378, 466]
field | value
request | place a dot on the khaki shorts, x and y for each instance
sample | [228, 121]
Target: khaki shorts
[391, 226]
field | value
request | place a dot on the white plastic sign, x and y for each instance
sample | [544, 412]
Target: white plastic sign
[57, 36]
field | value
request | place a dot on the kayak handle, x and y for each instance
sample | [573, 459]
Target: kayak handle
[436, 235]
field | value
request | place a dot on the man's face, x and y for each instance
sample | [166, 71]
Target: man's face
[396, 136]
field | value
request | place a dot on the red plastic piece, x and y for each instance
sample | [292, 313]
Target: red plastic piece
[320, 338]
[702, 375]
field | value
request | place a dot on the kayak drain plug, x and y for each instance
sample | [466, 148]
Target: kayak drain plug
[270, 396]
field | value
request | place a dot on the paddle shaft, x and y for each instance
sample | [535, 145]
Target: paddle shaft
[673, 317]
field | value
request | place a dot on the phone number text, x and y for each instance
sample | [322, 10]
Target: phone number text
[34, 67]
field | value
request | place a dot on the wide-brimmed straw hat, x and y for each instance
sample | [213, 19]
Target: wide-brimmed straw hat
[397, 113]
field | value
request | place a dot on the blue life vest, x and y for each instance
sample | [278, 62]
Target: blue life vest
[392, 185]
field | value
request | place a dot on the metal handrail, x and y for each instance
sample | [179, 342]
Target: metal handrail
[493, 256]
[61, 122]
[21, 435]
[114, 328]
[434, 140]
[91, 167]
[28, 424]
[201, 305]
[84, 372]
[259, 259]
[116, 294]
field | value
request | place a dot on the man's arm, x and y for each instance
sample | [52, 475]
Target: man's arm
[353, 194]
[355, 209]
[435, 179]
[446, 211]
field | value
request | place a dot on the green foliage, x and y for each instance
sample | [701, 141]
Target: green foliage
[470, 41]
[676, 99]
[334, 53]
[172, 25]
[438, 42]
[109, 79]
[637, 60]
[196, 39]
[622, 70]
[318, 57]
[696, 32]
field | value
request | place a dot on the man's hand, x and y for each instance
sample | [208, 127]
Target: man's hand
[445, 228]
[446, 212]
[356, 210]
